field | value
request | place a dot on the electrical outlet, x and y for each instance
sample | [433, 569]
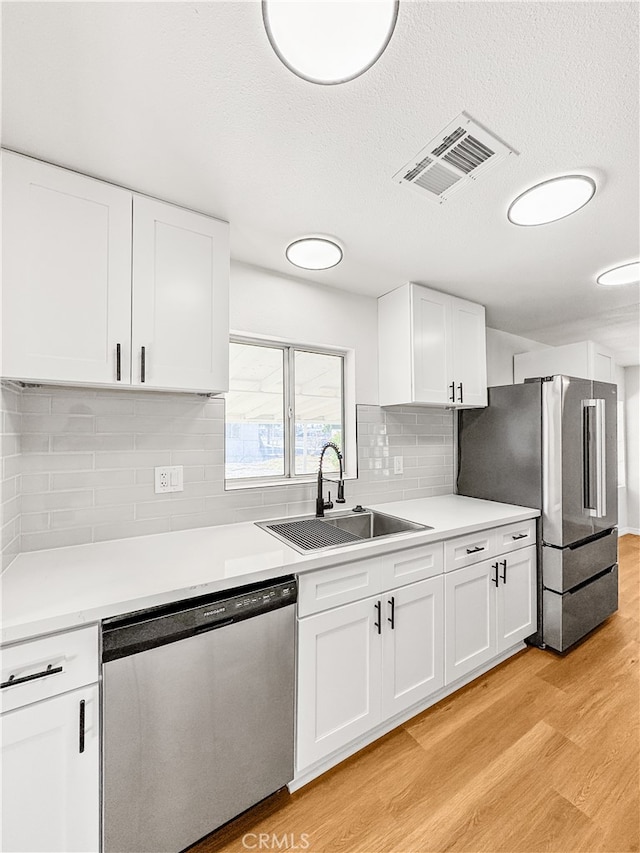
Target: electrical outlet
[398, 467]
[169, 478]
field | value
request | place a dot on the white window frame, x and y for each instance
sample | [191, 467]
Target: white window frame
[349, 449]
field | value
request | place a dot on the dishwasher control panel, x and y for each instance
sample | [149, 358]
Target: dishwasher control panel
[146, 629]
[247, 604]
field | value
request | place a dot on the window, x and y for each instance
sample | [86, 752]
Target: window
[284, 403]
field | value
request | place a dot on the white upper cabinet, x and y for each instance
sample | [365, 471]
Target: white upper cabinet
[431, 337]
[584, 360]
[469, 372]
[98, 280]
[432, 349]
[66, 272]
[180, 298]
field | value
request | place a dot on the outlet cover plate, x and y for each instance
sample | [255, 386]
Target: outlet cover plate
[169, 478]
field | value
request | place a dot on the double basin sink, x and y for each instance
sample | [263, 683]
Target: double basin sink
[308, 534]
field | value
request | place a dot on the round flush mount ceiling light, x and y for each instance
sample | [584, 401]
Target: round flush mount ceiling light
[551, 200]
[624, 274]
[314, 253]
[329, 41]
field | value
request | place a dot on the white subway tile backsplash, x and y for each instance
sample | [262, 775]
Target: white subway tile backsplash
[162, 509]
[97, 480]
[128, 495]
[52, 424]
[10, 448]
[257, 513]
[37, 502]
[35, 443]
[33, 522]
[94, 405]
[30, 483]
[55, 538]
[127, 529]
[91, 516]
[35, 462]
[197, 457]
[93, 441]
[78, 465]
[193, 474]
[170, 441]
[132, 460]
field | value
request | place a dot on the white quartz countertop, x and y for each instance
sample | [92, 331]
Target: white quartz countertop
[63, 588]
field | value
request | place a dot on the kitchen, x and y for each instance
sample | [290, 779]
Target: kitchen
[190, 105]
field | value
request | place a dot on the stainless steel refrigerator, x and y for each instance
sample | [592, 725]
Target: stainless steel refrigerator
[551, 443]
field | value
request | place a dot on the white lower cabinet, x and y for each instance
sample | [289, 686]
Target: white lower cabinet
[470, 617]
[50, 744]
[364, 662]
[489, 607]
[50, 766]
[339, 686]
[413, 645]
[516, 615]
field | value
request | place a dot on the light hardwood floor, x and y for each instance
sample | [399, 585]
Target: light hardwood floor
[540, 754]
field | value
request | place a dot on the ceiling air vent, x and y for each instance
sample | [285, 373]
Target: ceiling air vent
[452, 159]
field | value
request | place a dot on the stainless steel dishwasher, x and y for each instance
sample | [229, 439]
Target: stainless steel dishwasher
[198, 714]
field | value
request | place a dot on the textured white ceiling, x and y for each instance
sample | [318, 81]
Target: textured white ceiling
[187, 102]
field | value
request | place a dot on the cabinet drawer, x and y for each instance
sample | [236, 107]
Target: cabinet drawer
[569, 617]
[465, 550]
[72, 658]
[565, 568]
[514, 536]
[414, 564]
[341, 584]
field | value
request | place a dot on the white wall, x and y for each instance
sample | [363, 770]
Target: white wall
[501, 347]
[632, 407]
[266, 303]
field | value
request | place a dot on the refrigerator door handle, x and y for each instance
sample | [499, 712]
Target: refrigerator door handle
[587, 501]
[594, 461]
[601, 460]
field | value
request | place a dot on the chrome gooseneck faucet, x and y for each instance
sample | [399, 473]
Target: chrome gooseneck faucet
[321, 504]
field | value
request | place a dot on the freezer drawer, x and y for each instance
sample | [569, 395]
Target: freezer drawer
[565, 568]
[568, 617]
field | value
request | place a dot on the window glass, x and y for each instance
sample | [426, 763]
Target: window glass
[254, 428]
[317, 409]
[282, 406]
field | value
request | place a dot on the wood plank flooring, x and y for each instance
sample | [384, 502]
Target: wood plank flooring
[540, 754]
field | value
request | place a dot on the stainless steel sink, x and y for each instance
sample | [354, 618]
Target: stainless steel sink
[306, 533]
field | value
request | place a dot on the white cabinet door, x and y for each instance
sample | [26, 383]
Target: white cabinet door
[51, 797]
[516, 611]
[339, 679]
[66, 275]
[431, 349]
[470, 607]
[469, 364]
[413, 647]
[180, 298]
[432, 346]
